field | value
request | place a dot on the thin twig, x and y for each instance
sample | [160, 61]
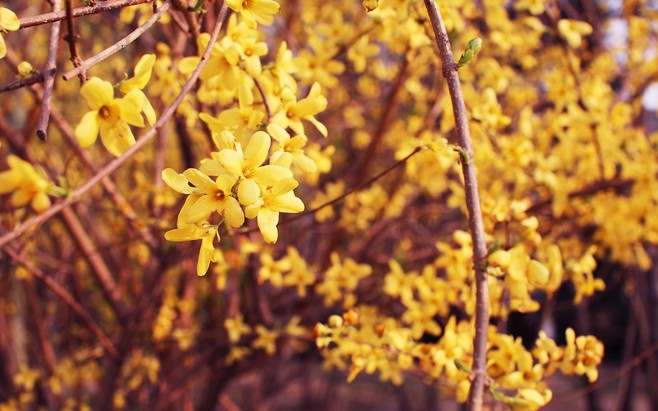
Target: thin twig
[49, 76]
[46, 18]
[355, 188]
[120, 45]
[117, 162]
[476, 394]
[262, 94]
[70, 39]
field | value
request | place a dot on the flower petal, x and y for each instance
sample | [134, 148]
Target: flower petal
[267, 221]
[97, 92]
[257, 149]
[176, 181]
[233, 212]
[248, 192]
[87, 130]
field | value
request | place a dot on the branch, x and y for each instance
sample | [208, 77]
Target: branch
[117, 162]
[476, 394]
[49, 76]
[121, 44]
[70, 39]
[46, 18]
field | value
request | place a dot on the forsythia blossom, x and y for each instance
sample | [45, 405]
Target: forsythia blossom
[110, 116]
[28, 185]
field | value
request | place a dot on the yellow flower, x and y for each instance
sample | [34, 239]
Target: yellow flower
[247, 165]
[277, 198]
[236, 328]
[216, 197]
[8, 22]
[294, 112]
[573, 31]
[290, 150]
[27, 184]
[253, 11]
[111, 116]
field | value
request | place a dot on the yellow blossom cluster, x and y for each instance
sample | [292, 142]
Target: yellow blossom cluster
[364, 340]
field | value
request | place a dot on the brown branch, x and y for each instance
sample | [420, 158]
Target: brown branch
[70, 39]
[47, 18]
[36, 78]
[49, 76]
[120, 45]
[476, 394]
[117, 162]
[64, 295]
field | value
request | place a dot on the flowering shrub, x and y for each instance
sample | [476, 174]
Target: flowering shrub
[287, 177]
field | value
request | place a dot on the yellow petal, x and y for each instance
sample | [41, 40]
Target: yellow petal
[3, 47]
[200, 210]
[200, 180]
[118, 138]
[142, 74]
[271, 174]
[205, 255]
[9, 181]
[248, 192]
[185, 234]
[267, 221]
[97, 92]
[40, 202]
[231, 160]
[87, 130]
[257, 149]
[233, 212]
[176, 181]
[8, 19]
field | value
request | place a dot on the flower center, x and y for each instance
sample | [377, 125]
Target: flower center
[109, 114]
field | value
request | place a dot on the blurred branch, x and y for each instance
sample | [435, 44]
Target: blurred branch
[61, 292]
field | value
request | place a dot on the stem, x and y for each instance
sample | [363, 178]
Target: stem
[476, 394]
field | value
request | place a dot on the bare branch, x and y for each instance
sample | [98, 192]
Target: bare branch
[49, 76]
[479, 369]
[77, 12]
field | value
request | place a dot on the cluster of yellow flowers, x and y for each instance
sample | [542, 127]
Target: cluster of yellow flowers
[372, 342]
[252, 173]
